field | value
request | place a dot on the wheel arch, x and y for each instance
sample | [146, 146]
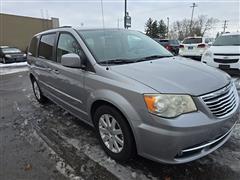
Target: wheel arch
[101, 102]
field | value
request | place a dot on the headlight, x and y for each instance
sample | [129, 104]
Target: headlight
[8, 56]
[24, 55]
[169, 105]
[208, 54]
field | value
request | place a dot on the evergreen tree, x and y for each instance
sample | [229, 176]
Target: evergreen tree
[148, 27]
[155, 33]
[162, 29]
[151, 28]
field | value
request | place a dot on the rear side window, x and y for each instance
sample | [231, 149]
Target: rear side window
[192, 41]
[46, 46]
[33, 46]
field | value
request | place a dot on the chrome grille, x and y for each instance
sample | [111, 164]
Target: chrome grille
[223, 102]
[218, 60]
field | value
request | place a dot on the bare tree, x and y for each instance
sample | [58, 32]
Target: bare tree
[204, 24]
[200, 26]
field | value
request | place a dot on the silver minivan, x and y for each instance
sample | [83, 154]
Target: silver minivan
[138, 96]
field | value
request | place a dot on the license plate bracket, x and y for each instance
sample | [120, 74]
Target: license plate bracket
[224, 66]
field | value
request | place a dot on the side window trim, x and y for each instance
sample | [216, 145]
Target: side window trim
[38, 41]
[36, 48]
[54, 44]
[57, 41]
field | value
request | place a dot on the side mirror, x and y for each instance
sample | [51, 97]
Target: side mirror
[71, 60]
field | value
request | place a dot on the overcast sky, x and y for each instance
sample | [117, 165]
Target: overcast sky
[89, 13]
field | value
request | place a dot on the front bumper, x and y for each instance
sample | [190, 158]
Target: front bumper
[234, 68]
[186, 138]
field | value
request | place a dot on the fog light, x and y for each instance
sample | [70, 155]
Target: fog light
[237, 83]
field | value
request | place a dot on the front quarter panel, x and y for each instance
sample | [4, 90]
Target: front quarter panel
[124, 93]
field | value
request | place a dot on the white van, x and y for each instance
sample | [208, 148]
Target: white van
[225, 53]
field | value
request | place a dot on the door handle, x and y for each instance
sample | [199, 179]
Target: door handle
[49, 69]
[56, 71]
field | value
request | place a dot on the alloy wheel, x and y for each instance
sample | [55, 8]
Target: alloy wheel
[111, 133]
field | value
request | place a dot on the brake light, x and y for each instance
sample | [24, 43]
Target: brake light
[201, 46]
[181, 46]
[168, 47]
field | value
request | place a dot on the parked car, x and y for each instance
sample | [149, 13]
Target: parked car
[194, 47]
[11, 54]
[225, 53]
[170, 44]
[130, 88]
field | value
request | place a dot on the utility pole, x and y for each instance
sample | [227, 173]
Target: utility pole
[118, 20]
[193, 6]
[225, 26]
[125, 15]
[127, 18]
[168, 27]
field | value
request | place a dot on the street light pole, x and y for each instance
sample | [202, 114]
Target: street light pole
[125, 15]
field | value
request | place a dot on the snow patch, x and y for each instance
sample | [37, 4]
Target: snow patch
[62, 167]
[99, 156]
[4, 71]
[13, 64]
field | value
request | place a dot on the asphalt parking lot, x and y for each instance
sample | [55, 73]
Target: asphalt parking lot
[46, 142]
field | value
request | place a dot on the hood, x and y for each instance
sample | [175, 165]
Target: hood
[175, 75]
[225, 49]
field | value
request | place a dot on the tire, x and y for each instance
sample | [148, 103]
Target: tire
[37, 92]
[120, 133]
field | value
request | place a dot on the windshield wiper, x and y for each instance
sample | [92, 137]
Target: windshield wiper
[117, 61]
[147, 58]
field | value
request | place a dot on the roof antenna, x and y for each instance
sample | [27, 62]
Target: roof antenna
[103, 24]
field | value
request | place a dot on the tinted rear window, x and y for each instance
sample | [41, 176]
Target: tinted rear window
[163, 40]
[46, 46]
[174, 42]
[192, 41]
[33, 46]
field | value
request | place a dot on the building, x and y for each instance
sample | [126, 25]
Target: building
[17, 31]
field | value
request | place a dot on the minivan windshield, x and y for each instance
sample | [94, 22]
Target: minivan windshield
[228, 40]
[122, 46]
